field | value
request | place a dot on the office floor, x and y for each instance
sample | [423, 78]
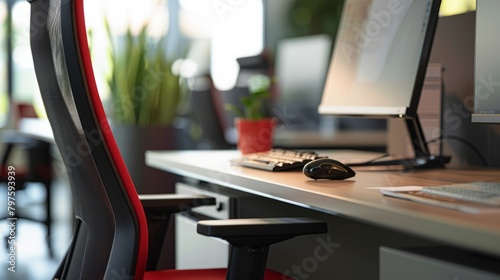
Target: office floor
[33, 261]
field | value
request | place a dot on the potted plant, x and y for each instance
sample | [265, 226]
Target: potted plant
[255, 130]
[144, 99]
[144, 91]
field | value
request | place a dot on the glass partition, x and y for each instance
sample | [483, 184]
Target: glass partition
[24, 87]
[4, 103]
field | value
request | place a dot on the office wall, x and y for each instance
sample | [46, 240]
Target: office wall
[454, 47]
[276, 16]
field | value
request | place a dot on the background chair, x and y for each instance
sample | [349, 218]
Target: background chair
[38, 169]
[111, 233]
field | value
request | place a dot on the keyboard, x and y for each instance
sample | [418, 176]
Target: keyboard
[278, 159]
[485, 193]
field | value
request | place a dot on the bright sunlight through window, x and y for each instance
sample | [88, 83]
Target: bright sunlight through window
[453, 7]
[236, 29]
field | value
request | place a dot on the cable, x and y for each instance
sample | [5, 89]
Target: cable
[373, 159]
[464, 141]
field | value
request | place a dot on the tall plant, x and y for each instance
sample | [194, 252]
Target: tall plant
[144, 90]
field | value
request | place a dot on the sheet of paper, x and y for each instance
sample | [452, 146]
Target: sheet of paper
[400, 189]
[406, 193]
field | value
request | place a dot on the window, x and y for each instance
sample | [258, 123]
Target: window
[453, 7]
[4, 101]
[235, 29]
[17, 75]
[120, 15]
[25, 87]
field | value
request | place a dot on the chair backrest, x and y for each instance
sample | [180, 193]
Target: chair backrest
[110, 239]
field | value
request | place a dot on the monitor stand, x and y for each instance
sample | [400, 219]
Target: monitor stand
[423, 159]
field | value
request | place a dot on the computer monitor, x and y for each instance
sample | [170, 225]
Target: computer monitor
[487, 70]
[300, 68]
[379, 63]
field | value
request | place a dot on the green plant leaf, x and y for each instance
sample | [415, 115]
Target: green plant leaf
[253, 103]
[234, 109]
[144, 91]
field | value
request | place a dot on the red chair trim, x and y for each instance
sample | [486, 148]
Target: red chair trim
[110, 140]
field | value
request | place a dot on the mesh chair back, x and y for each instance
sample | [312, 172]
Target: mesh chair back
[108, 212]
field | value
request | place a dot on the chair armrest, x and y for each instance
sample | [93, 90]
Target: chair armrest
[260, 230]
[250, 240]
[159, 208]
[173, 203]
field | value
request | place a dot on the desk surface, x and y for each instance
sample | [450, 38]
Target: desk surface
[36, 128]
[355, 198]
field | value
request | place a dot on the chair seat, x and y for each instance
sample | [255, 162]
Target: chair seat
[202, 274]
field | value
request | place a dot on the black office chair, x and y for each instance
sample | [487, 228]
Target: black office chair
[111, 234]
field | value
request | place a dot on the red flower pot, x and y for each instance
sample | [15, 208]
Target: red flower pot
[255, 135]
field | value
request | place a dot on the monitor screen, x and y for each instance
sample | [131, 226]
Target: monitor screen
[487, 76]
[301, 66]
[380, 57]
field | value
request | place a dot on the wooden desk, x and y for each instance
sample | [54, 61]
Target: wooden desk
[354, 199]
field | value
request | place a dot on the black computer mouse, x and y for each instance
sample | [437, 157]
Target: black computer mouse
[327, 168]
